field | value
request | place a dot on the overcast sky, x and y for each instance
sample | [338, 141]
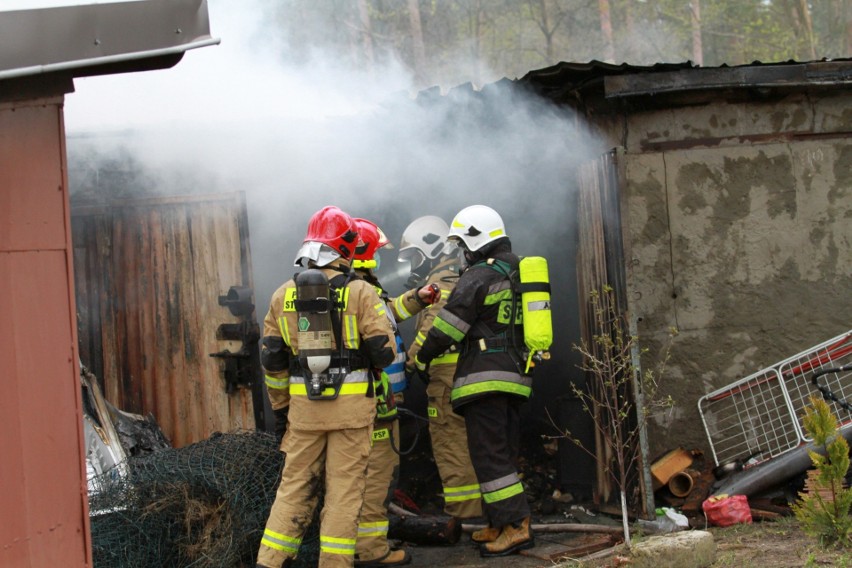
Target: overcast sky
[240, 79]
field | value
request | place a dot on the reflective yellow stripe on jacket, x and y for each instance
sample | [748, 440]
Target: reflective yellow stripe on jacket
[356, 382]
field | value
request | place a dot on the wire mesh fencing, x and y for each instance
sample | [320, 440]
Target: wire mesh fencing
[202, 506]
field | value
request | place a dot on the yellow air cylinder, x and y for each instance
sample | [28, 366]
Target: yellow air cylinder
[535, 302]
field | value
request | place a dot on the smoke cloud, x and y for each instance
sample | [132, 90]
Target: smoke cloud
[238, 116]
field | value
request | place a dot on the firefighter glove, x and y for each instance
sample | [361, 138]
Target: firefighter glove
[429, 294]
[281, 421]
[418, 368]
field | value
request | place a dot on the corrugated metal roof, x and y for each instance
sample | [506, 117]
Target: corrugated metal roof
[624, 80]
[575, 75]
[87, 38]
[563, 82]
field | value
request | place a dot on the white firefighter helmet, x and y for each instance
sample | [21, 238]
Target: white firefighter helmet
[476, 226]
[424, 238]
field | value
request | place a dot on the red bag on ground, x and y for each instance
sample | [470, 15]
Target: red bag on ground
[726, 510]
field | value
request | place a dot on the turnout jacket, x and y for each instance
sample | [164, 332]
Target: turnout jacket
[400, 309]
[445, 275]
[484, 316]
[365, 327]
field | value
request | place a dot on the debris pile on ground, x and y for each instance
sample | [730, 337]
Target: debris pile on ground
[203, 505]
[419, 487]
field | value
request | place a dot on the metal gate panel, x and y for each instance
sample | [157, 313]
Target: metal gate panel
[750, 419]
[797, 370]
[760, 416]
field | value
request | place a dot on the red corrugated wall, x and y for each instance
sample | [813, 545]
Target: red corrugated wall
[43, 506]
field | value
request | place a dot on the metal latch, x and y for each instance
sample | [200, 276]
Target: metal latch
[242, 368]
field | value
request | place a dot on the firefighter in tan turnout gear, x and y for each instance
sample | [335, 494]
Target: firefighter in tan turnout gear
[372, 548]
[328, 329]
[484, 316]
[433, 261]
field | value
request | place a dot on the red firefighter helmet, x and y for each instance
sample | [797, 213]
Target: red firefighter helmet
[332, 227]
[372, 239]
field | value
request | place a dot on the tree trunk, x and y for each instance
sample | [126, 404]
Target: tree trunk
[808, 25]
[628, 19]
[418, 47]
[800, 17]
[625, 523]
[847, 15]
[548, 36]
[476, 46]
[366, 33]
[697, 49]
[606, 31]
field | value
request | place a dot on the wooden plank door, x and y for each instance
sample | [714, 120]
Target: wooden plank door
[149, 274]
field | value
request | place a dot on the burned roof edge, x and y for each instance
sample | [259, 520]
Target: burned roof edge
[790, 74]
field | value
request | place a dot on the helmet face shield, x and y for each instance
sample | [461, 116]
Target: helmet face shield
[456, 242]
[413, 256]
[316, 252]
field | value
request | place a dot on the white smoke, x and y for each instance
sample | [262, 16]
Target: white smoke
[296, 138]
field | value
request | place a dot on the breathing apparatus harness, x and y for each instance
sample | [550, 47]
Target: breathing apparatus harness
[319, 304]
[530, 285]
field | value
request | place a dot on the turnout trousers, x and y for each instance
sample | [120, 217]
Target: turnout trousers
[462, 497]
[382, 474]
[344, 454]
[493, 434]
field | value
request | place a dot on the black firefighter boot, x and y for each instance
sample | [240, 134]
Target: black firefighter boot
[513, 537]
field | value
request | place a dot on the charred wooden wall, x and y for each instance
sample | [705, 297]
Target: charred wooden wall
[149, 274]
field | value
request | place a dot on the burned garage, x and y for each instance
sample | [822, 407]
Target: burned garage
[696, 222]
[713, 201]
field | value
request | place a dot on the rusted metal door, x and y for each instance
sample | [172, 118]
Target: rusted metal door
[601, 263]
[149, 277]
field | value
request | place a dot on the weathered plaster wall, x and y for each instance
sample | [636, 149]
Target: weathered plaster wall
[738, 228]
